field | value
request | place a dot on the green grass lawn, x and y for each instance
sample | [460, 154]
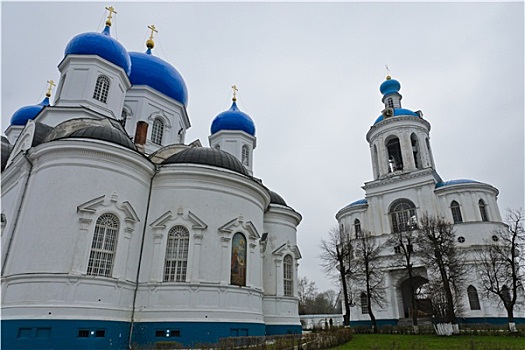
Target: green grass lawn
[432, 342]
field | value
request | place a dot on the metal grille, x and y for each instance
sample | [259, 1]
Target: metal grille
[177, 254]
[245, 156]
[288, 276]
[157, 131]
[101, 89]
[103, 246]
[456, 212]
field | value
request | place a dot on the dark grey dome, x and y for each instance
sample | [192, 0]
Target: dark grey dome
[208, 156]
[276, 199]
[104, 133]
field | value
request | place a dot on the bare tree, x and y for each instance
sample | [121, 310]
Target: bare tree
[336, 261]
[403, 243]
[437, 249]
[500, 264]
[369, 273]
[307, 292]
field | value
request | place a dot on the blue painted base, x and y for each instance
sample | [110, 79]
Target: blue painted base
[490, 320]
[93, 334]
[380, 323]
[283, 329]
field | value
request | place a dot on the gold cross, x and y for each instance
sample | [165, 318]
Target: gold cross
[110, 16]
[153, 29]
[51, 84]
[234, 87]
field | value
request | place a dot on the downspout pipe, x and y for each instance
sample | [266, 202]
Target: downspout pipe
[131, 328]
[18, 212]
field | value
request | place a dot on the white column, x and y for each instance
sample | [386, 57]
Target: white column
[279, 287]
[196, 258]
[79, 258]
[156, 263]
[225, 260]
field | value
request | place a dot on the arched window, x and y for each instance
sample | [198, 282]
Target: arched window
[415, 151]
[482, 210]
[364, 303]
[238, 260]
[473, 298]
[403, 215]
[103, 246]
[357, 228]
[177, 254]
[101, 89]
[245, 155]
[288, 276]
[456, 212]
[395, 160]
[157, 131]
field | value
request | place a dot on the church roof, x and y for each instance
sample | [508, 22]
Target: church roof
[102, 45]
[166, 78]
[455, 182]
[233, 119]
[277, 199]
[399, 112]
[208, 156]
[356, 203]
[104, 133]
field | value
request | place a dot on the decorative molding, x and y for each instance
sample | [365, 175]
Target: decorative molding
[238, 224]
[194, 221]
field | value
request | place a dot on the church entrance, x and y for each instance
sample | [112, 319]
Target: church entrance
[424, 305]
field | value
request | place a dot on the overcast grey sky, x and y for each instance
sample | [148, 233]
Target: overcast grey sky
[309, 75]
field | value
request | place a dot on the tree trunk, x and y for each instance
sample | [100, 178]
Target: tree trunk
[346, 317]
[451, 316]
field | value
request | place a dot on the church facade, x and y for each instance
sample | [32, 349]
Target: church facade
[406, 186]
[116, 232]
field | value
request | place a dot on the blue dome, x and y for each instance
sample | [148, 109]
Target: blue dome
[233, 119]
[158, 74]
[22, 115]
[102, 45]
[358, 202]
[389, 86]
[398, 112]
[455, 182]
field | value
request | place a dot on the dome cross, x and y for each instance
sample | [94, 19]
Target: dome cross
[150, 43]
[110, 16]
[235, 89]
[50, 87]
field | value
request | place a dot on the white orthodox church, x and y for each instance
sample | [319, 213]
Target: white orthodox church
[117, 232]
[406, 186]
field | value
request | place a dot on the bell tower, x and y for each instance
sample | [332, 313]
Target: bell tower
[399, 139]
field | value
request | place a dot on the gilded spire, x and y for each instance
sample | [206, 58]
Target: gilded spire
[150, 43]
[110, 16]
[234, 87]
[49, 88]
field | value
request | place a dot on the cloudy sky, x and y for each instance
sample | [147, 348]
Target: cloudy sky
[309, 75]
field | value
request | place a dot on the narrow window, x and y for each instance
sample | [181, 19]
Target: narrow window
[123, 117]
[395, 160]
[357, 228]
[157, 131]
[390, 102]
[473, 298]
[245, 155]
[456, 212]
[177, 254]
[288, 276]
[403, 215]
[103, 246]
[415, 151]
[364, 303]
[482, 210]
[101, 89]
[238, 260]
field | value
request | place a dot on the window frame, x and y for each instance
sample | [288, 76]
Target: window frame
[483, 210]
[401, 211]
[364, 303]
[455, 210]
[357, 229]
[103, 246]
[176, 256]
[101, 91]
[473, 298]
[288, 275]
[245, 155]
[157, 131]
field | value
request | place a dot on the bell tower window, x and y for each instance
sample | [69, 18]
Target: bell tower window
[415, 151]
[456, 212]
[157, 131]
[101, 89]
[395, 160]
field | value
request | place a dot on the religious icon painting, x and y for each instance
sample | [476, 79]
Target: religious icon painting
[238, 260]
